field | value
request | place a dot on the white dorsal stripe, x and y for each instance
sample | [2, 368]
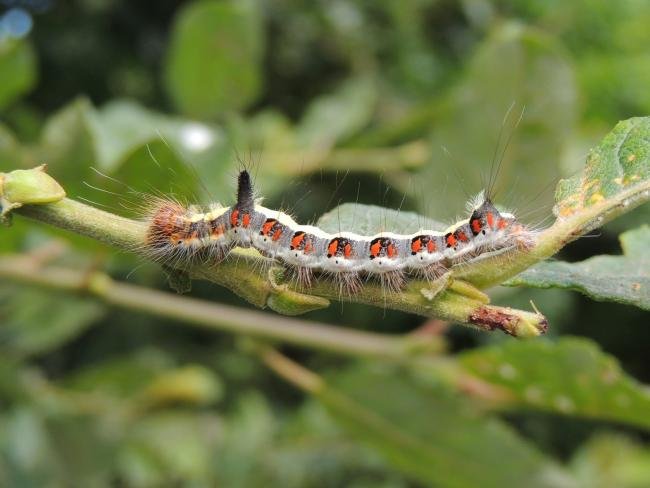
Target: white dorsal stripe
[184, 233]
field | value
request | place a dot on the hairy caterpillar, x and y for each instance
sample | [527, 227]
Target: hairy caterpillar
[179, 234]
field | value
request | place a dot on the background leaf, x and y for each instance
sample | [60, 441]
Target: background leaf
[515, 65]
[146, 459]
[624, 279]
[214, 57]
[371, 219]
[609, 459]
[431, 434]
[338, 115]
[570, 377]
[66, 140]
[142, 149]
[36, 321]
[18, 69]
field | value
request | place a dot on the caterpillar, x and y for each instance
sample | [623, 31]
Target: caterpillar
[180, 234]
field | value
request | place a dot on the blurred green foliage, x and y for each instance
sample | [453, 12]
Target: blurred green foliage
[410, 98]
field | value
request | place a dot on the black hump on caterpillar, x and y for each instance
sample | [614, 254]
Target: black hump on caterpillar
[245, 200]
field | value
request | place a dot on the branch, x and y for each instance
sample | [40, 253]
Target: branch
[448, 298]
[28, 270]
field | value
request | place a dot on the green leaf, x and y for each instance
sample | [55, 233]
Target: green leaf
[616, 80]
[66, 143]
[152, 152]
[146, 458]
[248, 437]
[122, 377]
[10, 149]
[311, 450]
[28, 456]
[617, 171]
[41, 448]
[189, 385]
[570, 377]
[34, 321]
[514, 63]
[121, 127]
[18, 69]
[143, 149]
[84, 445]
[12, 240]
[432, 435]
[148, 380]
[624, 279]
[338, 115]
[371, 219]
[612, 460]
[214, 58]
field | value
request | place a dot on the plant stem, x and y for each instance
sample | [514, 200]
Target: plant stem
[452, 301]
[288, 369]
[551, 240]
[215, 316]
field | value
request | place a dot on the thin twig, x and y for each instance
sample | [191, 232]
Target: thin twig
[214, 316]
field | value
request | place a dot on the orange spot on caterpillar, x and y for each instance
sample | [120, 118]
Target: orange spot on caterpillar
[451, 240]
[391, 251]
[332, 247]
[375, 248]
[267, 226]
[431, 246]
[502, 224]
[416, 245]
[246, 220]
[234, 218]
[347, 250]
[476, 226]
[277, 234]
[490, 219]
[297, 239]
[461, 236]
